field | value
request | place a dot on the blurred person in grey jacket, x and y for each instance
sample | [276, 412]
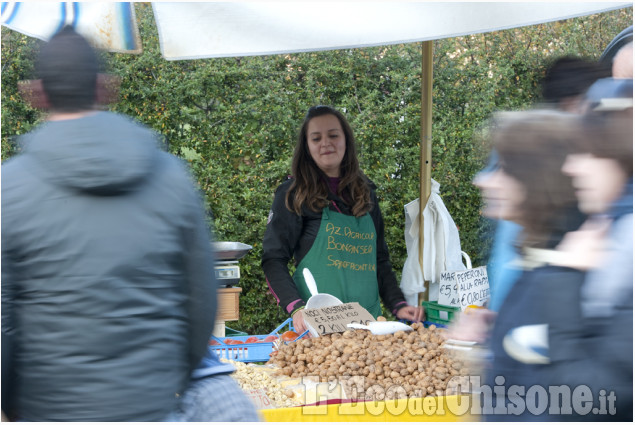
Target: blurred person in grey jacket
[599, 352]
[108, 288]
[587, 345]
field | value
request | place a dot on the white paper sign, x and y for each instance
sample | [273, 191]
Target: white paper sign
[464, 288]
[448, 290]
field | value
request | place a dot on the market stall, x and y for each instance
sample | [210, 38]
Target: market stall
[356, 375]
[276, 24]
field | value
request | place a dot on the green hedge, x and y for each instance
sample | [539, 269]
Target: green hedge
[235, 121]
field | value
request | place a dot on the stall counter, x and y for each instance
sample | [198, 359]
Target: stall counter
[427, 409]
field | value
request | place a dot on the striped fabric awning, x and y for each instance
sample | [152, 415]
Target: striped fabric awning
[110, 26]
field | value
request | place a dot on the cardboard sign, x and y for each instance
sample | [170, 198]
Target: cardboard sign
[464, 288]
[259, 398]
[328, 320]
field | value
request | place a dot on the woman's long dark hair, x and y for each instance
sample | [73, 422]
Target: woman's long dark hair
[533, 146]
[311, 183]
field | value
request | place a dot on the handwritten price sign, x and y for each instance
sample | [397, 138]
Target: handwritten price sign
[327, 320]
[468, 287]
[449, 290]
[260, 399]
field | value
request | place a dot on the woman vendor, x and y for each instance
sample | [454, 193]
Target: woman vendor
[327, 218]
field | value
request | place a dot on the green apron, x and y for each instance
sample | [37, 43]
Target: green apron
[343, 261]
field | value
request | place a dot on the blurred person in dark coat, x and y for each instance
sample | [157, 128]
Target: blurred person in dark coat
[529, 189]
[565, 83]
[108, 288]
[598, 352]
[588, 326]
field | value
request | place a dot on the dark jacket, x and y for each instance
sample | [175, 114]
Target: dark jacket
[543, 295]
[289, 235]
[594, 347]
[108, 287]
[590, 358]
[595, 353]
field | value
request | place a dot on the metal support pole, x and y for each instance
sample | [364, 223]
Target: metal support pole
[427, 48]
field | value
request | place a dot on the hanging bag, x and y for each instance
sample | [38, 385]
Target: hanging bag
[441, 247]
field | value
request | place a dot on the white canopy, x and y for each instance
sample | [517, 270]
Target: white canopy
[221, 29]
[201, 30]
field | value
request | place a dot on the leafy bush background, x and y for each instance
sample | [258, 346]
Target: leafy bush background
[235, 121]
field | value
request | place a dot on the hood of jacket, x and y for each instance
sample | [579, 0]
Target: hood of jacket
[102, 153]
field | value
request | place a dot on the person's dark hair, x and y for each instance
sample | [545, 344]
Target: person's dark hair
[311, 183]
[609, 136]
[533, 146]
[569, 76]
[608, 123]
[68, 67]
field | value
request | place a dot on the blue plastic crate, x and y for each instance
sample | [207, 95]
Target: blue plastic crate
[252, 352]
[438, 325]
[426, 323]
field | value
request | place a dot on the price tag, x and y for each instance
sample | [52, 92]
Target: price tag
[259, 398]
[473, 287]
[328, 320]
[448, 290]
[464, 288]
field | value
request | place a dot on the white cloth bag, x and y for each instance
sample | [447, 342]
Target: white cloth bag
[441, 247]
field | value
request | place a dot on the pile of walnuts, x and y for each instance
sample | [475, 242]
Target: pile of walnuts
[374, 367]
[251, 377]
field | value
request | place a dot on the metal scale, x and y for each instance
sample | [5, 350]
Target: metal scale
[227, 256]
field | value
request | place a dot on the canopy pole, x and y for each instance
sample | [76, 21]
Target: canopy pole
[425, 174]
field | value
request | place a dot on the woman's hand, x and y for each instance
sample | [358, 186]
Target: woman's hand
[298, 322]
[472, 325]
[412, 313]
[585, 248]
